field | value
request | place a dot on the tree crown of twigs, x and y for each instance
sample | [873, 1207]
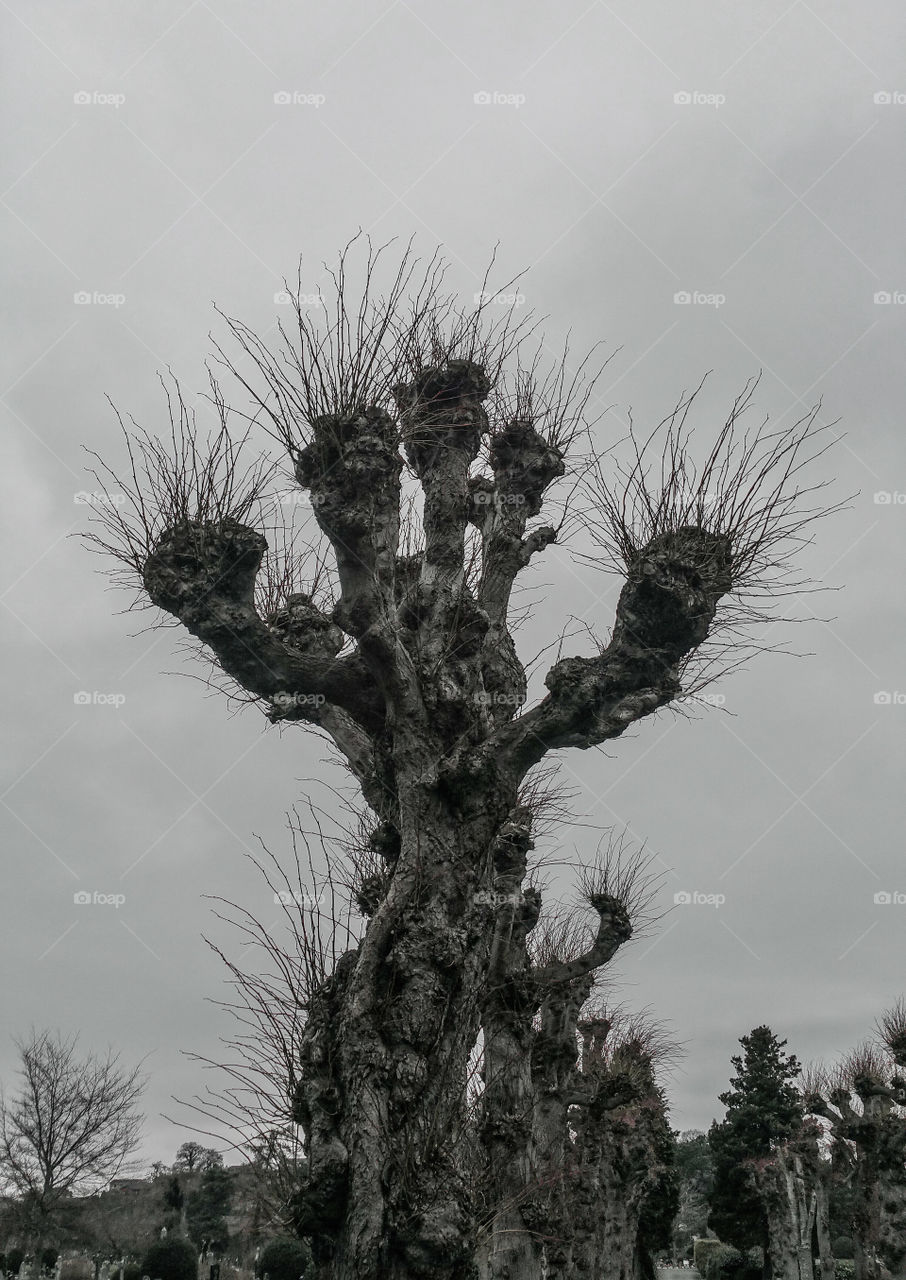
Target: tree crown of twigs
[752, 488]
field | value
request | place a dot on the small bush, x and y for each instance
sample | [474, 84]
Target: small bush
[701, 1251]
[723, 1263]
[283, 1259]
[132, 1271]
[171, 1260]
[49, 1258]
[14, 1260]
[842, 1247]
[844, 1269]
[727, 1263]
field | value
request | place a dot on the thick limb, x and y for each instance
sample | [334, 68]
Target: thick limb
[664, 612]
[204, 575]
[442, 420]
[351, 468]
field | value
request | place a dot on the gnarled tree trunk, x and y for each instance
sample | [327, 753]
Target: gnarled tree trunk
[790, 1204]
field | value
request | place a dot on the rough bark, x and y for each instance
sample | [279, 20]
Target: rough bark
[826, 1265]
[620, 1128]
[508, 1247]
[790, 1203]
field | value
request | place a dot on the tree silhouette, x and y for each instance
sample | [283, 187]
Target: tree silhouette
[429, 442]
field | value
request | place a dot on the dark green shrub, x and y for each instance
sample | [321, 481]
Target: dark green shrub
[283, 1259]
[727, 1263]
[49, 1258]
[842, 1247]
[171, 1260]
[132, 1271]
[844, 1269]
[14, 1260]
[723, 1263]
[701, 1251]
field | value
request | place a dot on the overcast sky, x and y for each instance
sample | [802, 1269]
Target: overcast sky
[750, 156]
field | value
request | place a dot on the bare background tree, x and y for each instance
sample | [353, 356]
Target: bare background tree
[69, 1129]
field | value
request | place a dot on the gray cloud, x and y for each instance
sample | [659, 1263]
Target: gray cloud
[774, 188]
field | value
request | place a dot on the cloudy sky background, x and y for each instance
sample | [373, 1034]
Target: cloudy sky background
[181, 182]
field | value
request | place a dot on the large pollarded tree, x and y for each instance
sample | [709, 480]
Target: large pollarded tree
[430, 448]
